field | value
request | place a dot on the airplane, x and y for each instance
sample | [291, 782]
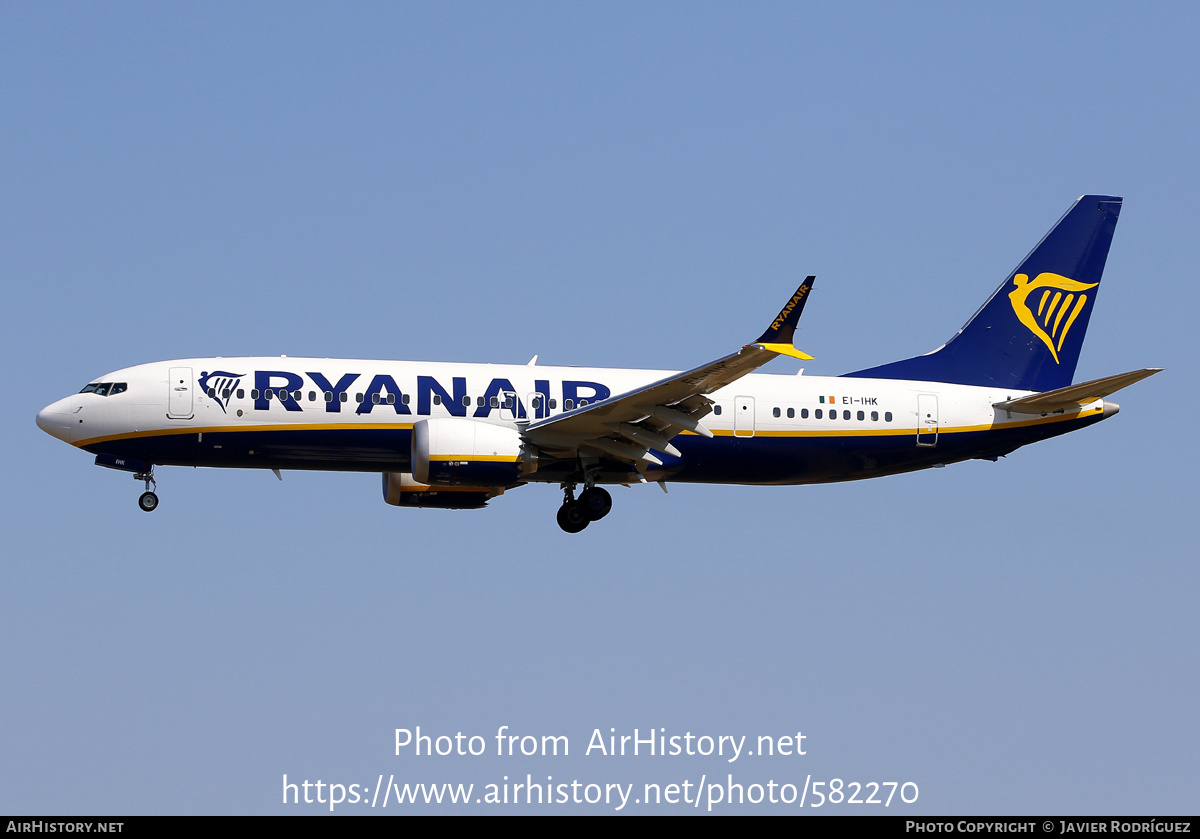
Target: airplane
[455, 436]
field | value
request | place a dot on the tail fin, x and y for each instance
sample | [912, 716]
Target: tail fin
[1027, 336]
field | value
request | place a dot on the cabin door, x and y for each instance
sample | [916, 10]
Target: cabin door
[743, 416]
[179, 393]
[927, 419]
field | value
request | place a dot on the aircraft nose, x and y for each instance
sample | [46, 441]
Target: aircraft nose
[55, 420]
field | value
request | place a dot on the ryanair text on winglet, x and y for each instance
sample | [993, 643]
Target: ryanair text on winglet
[787, 310]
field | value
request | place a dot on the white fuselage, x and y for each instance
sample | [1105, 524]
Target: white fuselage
[358, 415]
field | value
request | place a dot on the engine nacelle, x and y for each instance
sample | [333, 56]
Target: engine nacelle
[454, 452]
[401, 490]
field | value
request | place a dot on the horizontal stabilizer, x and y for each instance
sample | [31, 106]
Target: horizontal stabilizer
[1075, 395]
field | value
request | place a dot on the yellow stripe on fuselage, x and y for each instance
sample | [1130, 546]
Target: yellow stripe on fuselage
[484, 458]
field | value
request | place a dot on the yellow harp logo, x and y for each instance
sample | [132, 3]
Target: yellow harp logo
[1060, 303]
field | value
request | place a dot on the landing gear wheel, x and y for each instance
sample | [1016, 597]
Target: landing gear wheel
[596, 503]
[148, 502]
[572, 518]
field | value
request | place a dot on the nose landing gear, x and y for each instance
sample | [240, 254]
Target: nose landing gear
[593, 504]
[147, 501]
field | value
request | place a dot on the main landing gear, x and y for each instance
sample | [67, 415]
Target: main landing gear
[593, 504]
[147, 501]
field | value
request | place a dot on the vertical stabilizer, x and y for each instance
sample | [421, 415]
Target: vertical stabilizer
[1027, 336]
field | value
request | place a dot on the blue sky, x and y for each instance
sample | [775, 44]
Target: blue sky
[618, 185]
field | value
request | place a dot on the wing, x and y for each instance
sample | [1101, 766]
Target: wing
[628, 425]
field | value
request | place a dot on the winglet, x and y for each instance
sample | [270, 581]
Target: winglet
[778, 337]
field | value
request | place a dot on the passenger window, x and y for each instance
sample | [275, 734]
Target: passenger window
[717, 410]
[329, 396]
[553, 404]
[374, 398]
[344, 397]
[312, 396]
[832, 414]
[391, 399]
[404, 397]
[225, 394]
[583, 403]
[479, 402]
[818, 413]
[358, 397]
[254, 393]
[887, 417]
[268, 393]
[495, 401]
[874, 416]
[211, 393]
[568, 404]
[775, 412]
[535, 403]
[241, 393]
[437, 399]
[804, 413]
[466, 402]
[791, 413]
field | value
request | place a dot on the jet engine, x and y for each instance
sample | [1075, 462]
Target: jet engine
[454, 452]
[401, 490]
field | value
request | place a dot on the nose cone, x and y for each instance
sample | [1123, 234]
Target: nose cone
[55, 419]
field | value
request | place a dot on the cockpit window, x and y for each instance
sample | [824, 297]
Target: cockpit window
[105, 388]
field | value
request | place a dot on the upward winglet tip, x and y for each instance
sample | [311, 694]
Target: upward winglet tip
[783, 327]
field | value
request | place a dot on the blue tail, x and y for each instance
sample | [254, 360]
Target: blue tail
[1027, 336]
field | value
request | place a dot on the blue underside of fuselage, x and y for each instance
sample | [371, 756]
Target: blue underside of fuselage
[724, 459]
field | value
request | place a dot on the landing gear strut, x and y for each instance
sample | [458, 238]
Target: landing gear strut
[593, 504]
[147, 501]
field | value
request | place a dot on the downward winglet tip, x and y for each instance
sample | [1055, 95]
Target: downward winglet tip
[786, 349]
